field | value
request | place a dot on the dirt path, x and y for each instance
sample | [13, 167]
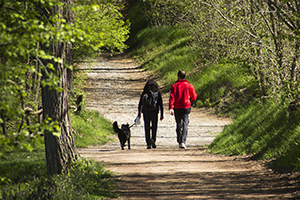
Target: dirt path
[167, 172]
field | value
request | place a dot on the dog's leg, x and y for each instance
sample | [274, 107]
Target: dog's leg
[122, 145]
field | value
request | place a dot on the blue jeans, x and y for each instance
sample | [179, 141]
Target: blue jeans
[182, 118]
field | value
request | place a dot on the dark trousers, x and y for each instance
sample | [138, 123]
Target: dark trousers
[150, 117]
[182, 118]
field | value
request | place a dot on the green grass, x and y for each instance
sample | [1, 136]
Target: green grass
[163, 50]
[226, 87]
[90, 128]
[23, 174]
[264, 131]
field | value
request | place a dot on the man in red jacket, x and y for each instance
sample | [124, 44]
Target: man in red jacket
[181, 95]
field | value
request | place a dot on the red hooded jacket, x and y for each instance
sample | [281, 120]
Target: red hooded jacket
[181, 95]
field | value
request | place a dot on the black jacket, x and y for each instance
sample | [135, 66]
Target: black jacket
[159, 105]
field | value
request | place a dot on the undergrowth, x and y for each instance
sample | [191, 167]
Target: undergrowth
[26, 178]
[23, 174]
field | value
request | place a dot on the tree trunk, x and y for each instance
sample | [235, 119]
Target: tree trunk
[69, 16]
[294, 68]
[60, 151]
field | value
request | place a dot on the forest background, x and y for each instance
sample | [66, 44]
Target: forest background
[241, 56]
[243, 59]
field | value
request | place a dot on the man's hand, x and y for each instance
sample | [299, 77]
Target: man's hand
[171, 112]
[161, 118]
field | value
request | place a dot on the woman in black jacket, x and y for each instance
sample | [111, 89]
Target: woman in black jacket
[150, 115]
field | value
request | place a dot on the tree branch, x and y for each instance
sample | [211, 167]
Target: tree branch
[224, 17]
[284, 17]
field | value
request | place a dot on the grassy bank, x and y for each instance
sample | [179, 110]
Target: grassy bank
[90, 129]
[225, 86]
[265, 131]
[261, 129]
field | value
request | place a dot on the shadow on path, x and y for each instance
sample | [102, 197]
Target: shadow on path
[205, 185]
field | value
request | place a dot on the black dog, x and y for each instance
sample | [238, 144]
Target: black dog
[123, 134]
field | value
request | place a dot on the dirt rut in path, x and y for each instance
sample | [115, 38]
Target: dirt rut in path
[167, 172]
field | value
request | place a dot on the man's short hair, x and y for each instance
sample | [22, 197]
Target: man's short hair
[181, 74]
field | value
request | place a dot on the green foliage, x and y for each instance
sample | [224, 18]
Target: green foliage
[90, 128]
[28, 29]
[165, 50]
[103, 27]
[50, 127]
[138, 22]
[242, 32]
[164, 13]
[20, 142]
[23, 176]
[23, 173]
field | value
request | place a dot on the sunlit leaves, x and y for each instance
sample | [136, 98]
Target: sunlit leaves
[102, 26]
[28, 31]
[26, 27]
[263, 35]
[51, 127]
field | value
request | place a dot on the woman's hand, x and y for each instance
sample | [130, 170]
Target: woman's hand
[171, 112]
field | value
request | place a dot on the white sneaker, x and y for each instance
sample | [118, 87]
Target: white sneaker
[182, 145]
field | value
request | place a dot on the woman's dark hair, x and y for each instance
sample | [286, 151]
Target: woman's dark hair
[151, 85]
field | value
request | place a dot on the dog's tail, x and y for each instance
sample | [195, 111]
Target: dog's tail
[116, 127]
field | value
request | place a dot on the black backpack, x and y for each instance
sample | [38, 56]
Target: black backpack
[149, 100]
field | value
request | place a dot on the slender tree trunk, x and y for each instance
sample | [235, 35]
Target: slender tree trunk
[3, 124]
[263, 82]
[69, 16]
[294, 69]
[60, 151]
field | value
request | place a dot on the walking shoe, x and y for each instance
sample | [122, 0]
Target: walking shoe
[182, 146]
[153, 144]
[148, 146]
